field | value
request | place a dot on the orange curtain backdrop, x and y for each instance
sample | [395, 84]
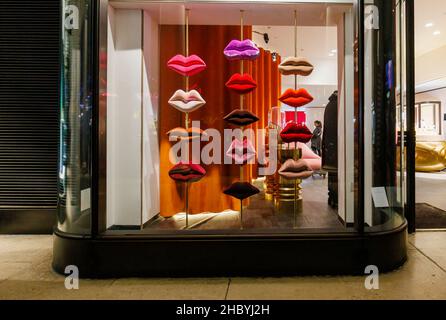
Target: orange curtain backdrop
[207, 42]
[266, 73]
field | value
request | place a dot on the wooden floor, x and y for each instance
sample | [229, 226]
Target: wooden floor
[263, 214]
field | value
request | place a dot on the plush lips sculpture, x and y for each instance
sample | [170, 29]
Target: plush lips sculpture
[241, 50]
[186, 134]
[241, 83]
[296, 98]
[293, 169]
[186, 66]
[187, 172]
[241, 190]
[186, 101]
[296, 66]
[295, 133]
[241, 152]
[241, 118]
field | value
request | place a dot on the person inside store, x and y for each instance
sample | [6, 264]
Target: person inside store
[316, 140]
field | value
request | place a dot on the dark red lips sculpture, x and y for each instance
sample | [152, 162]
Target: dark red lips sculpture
[296, 133]
[241, 118]
[241, 84]
[187, 172]
[241, 190]
[296, 98]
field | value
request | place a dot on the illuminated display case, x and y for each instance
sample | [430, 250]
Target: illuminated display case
[231, 137]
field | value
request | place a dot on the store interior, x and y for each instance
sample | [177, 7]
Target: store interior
[160, 57]
[430, 113]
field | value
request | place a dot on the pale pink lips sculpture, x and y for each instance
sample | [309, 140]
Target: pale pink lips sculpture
[241, 50]
[186, 66]
[293, 169]
[241, 152]
[187, 101]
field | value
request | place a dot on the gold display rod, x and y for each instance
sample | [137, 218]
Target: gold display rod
[295, 119]
[187, 113]
[142, 124]
[241, 107]
[295, 45]
[241, 61]
[241, 96]
[295, 54]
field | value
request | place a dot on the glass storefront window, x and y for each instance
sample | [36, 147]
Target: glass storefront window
[76, 103]
[384, 170]
[257, 67]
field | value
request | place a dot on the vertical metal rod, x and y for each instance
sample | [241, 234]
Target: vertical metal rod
[295, 204]
[187, 205]
[295, 54]
[241, 61]
[295, 33]
[410, 114]
[241, 96]
[186, 18]
[360, 74]
[241, 214]
[142, 124]
[187, 114]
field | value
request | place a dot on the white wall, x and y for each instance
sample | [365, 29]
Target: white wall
[430, 73]
[151, 159]
[436, 95]
[124, 118]
[346, 155]
[132, 109]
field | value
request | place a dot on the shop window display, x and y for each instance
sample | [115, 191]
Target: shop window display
[220, 76]
[205, 119]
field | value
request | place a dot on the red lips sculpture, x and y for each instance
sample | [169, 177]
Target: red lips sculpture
[295, 133]
[296, 98]
[241, 84]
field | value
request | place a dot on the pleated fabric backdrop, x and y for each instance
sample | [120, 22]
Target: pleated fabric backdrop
[208, 42]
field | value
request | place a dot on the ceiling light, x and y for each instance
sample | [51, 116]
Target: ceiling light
[429, 25]
[436, 33]
[334, 51]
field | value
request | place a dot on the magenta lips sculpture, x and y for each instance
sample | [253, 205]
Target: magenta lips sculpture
[241, 50]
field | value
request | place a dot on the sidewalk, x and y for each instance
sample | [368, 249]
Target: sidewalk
[25, 273]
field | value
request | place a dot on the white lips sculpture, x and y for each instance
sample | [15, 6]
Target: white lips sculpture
[186, 101]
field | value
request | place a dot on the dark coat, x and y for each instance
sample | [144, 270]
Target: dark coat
[330, 139]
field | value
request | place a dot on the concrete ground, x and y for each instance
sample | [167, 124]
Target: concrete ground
[25, 273]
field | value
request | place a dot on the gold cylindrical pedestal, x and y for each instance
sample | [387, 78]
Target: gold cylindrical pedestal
[284, 194]
[269, 190]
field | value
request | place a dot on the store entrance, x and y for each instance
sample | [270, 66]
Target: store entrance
[430, 114]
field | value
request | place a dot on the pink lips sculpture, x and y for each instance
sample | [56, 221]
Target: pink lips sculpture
[186, 66]
[241, 50]
[241, 152]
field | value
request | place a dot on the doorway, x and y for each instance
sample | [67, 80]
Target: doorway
[429, 117]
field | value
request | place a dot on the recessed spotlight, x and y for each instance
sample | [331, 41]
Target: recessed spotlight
[429, 25]
[334, 51]
[436, 33]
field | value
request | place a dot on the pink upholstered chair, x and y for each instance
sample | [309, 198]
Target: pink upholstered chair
[313, 159]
